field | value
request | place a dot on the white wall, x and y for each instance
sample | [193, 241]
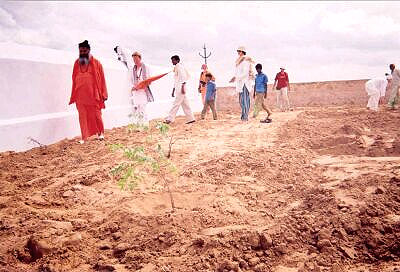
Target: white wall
[35, 87]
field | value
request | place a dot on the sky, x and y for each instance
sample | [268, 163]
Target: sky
[314, 41]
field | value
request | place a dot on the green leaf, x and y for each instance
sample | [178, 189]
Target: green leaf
[163, 128]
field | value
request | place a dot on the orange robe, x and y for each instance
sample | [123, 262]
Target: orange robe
[89, 92]
[203, 84]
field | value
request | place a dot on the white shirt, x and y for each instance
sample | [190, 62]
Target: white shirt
[181, 75]
[242, 76]
[139, 72]
[376, 85]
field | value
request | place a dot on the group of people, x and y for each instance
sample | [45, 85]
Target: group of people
[244, 79]
[89, 91]
[376, 89]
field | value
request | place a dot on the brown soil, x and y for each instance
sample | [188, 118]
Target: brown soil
[315, 190]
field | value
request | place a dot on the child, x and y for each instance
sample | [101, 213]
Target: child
[260, 94]
[210, 97]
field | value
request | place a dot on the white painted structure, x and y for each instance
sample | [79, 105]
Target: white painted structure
[35, 87]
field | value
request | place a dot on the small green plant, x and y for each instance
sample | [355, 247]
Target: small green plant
[140, 164]
[163, 128]
[130, 172]
[136, 128]
[137, 122]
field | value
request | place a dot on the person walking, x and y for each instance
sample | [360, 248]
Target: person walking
[181, 76]
[282, 86]
[203, 82]
[260, 94]
[210, 97]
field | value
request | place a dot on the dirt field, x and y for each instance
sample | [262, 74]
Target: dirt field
[316, 190]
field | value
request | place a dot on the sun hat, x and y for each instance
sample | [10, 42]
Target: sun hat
[241, 48]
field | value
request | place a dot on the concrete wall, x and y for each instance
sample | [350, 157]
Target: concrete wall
[35, 87]
[329, 93]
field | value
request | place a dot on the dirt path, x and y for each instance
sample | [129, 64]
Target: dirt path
[315, 190]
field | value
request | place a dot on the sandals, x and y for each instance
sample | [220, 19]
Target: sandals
[266, 120]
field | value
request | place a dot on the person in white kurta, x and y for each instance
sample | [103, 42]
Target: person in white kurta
[181, 76]
[138, 71]
[394, 90]
[244, 78]
[140, 97]
[376, 88]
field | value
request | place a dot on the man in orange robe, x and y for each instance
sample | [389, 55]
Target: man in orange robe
[89, 92]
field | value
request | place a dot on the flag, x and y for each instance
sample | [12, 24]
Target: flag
[144, 83]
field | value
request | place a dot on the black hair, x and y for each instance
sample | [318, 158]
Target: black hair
[175, 57]
[209, 75]
[259, 66]
[84, 44]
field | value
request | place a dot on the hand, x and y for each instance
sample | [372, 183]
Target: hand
[133, 89]
[232, 80]
[183, 89]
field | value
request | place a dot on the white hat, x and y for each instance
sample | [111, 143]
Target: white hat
[241, 48]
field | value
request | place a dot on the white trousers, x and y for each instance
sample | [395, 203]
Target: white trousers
[139, 102]
[373, 101]
[139, 116]
[282, 99]
[180, 100]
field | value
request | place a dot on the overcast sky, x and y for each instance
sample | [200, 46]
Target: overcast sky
[315, 41]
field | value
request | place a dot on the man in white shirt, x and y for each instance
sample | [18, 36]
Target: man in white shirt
[181, 76]
[244, 80]
[376, 89]
[140, 97]
[394, 92]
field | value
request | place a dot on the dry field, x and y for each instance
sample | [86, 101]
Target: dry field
[318, 189]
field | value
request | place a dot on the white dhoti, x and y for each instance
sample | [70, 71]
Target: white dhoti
[180, 100]
[181, 76]
[139, 102]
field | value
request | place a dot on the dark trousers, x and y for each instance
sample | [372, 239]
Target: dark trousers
[209, 104]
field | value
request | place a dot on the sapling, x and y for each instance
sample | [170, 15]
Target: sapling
[140, 164]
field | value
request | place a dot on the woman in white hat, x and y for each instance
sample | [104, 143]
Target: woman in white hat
[244, 78]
